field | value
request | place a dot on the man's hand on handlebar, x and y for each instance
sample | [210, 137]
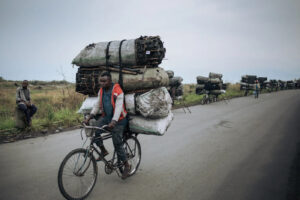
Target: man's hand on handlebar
[86, 121]
[112, 124]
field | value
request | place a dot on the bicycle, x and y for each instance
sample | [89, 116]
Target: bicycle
[80, 164]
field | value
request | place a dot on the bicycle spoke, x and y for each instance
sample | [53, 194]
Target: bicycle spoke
[132, 150]
[71, 175]
[77, 175]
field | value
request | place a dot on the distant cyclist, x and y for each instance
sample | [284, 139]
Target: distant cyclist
[256, 89]
[111, 104]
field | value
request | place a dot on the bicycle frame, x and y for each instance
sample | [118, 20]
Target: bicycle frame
[92, 148]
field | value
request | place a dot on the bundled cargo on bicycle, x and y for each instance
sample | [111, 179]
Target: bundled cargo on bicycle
[134, 64]
[247, 82]
[273, 85]
[297, 85]
[211, 85]
[282, 85]
[290, 84]
[262, 82]
[175, 87]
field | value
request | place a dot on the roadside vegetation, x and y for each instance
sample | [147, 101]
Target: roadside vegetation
[191, 98]
[57, 104]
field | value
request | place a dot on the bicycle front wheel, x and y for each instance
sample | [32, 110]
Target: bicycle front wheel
[77, 174]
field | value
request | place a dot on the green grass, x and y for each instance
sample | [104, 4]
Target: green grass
[8, 123]
[62, 118]
[57, 104]
[190, 98]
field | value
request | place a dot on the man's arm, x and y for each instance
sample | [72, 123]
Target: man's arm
[119, 107]
[28, 102]
[19, 96]
[29, 98]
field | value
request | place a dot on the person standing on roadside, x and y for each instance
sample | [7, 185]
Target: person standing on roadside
[23, 101]
[256, 89]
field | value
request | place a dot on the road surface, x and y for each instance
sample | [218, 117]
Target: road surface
[241, 149]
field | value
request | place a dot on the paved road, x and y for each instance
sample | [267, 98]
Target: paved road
[242, 149]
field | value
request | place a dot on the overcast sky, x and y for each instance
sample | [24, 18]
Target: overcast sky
[39, 39]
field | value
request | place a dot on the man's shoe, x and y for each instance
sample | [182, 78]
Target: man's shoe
[126, 171]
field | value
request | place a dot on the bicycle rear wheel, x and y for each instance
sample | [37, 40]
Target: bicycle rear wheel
[77, 174]
[133, 152]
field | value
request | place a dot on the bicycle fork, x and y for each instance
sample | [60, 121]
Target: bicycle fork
[78, 171]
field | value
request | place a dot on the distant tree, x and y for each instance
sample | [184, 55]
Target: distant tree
[2, 79]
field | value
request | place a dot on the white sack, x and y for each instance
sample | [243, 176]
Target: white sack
[130, 103]
[87, 105]
[139, 124]
[156, 103]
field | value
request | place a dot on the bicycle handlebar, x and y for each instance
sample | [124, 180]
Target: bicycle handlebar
[84, 126]
[94, 127]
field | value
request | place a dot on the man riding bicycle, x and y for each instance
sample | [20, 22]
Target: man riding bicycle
[111, 104]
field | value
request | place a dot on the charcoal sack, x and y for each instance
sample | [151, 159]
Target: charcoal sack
[139, 124]
[175, 81]
[87, 105]
[215, 75]
[130, 103]
[170, 73]
[141, 51]
[156, 103]
[202, 79]
[87, 81]
[179, 91]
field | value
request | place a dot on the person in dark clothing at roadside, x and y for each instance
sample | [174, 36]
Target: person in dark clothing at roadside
[111, 105]
[256, 89]
[23, 101]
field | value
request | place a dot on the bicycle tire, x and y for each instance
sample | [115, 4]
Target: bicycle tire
[134, 154]
[90, 160]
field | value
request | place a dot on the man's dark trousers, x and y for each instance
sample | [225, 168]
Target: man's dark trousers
[28, 110]
[117, 135]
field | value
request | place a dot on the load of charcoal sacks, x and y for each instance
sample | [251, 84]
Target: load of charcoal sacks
[134, 65]
[273, 85]
[290, 84]
[247, 82]
[297, 85]
[262, 82]
[282, 85]
[212, 85]
[175, 85]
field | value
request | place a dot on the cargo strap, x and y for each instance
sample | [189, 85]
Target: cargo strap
[120, 65]
[107, 55]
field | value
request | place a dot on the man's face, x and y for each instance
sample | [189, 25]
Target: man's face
[24, 84]
[105, 82]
